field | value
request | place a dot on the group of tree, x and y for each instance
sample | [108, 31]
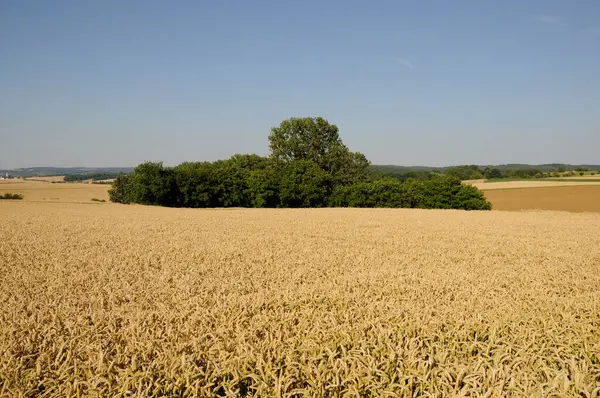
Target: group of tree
[309, 166]
[90, 176]
[473, 172]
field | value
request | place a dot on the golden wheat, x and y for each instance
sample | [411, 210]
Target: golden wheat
[40, 191]
[114, 300]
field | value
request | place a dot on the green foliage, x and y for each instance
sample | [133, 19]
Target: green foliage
[404, 176]
[521, 173]
[441, 192]
[12, 196]
[318, 141]
[302, 183]
[470, 172]
[98, 200]
[492, 173]
[306, 138]
[263, 188]
[382, 192]
[309, 166]
[122, 189]
[153, 185]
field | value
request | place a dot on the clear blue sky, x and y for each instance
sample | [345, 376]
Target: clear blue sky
[114, 83]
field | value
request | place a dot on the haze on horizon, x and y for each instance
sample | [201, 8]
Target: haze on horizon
[432, 83]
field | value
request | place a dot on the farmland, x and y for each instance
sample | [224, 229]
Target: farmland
[574, 198]
[530, 183]
[111, 299]
[43, 191]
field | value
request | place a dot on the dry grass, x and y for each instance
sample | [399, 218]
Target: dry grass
[487, 186]
[586, 177]
[571, 198]
[141, 301]
[37, 191]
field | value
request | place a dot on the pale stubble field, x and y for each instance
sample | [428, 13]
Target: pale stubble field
[105, 299]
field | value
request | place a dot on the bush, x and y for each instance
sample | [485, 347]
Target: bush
[121, 189]
[384, 192]
[13, 196]
[98, 200]
[441, 192]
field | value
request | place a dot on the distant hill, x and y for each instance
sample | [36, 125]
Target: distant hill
[63, 171]
[386, 168]
[502, 167]
[544, 167]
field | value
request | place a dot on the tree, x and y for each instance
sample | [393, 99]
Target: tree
[306, 138]
[302, 183]
[232, 179]
[196, 183]
[382, 192]
[263, 188]
[153, 185]
[349, 167]
[492, 173]
[121, 189]
[465, 172]
[318, 141]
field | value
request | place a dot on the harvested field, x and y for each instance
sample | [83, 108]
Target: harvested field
[37, 191]
[128, 300]
[567, 198]
[487, 186]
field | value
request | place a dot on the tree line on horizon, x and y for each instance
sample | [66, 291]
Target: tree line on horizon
[308, 166]
[475, 172]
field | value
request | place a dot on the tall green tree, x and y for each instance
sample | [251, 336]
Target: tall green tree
[318, 141]
[307, 138]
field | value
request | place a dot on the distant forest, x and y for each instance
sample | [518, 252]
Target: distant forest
[475, 172]
[92, 176]
[65, 171]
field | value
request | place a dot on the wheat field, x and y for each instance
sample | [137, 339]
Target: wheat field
[44, 191]
[116, 300]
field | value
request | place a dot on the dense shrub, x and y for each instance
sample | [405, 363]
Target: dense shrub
[13, 196]
[442, 192]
